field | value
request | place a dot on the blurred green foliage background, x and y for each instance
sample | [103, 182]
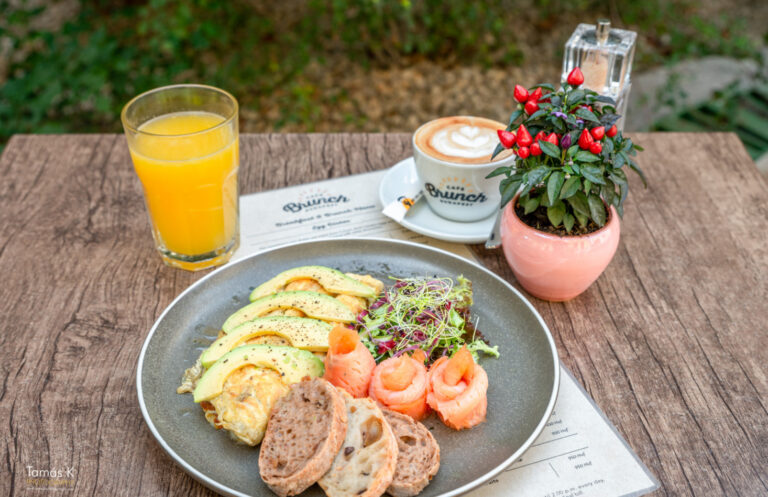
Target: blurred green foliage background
[76, 75]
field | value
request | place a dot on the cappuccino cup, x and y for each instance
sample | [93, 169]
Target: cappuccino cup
[453, 158]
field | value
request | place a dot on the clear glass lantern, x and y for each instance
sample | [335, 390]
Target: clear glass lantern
[604, 55]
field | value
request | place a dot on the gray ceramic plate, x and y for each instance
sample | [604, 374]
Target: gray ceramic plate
[522, 389]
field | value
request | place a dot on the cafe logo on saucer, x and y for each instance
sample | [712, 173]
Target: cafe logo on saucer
[455, 191]
[313, 199]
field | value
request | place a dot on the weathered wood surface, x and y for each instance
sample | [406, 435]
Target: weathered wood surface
[671, 341]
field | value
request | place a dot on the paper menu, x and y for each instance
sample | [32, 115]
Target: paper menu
[342, 207]
[579, 453]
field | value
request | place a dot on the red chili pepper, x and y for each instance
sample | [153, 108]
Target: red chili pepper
[541, 135]
[596, 148]
[535, 96]
[507, 138]
[521, 94]
[535, 149]
[523, 152]
[575, 78]
[531, 107]
[585, 140]
[523, 136]
[553, 139]
[612, 131]
[598, 133]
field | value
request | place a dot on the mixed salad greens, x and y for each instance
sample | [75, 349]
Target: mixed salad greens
[431, 314]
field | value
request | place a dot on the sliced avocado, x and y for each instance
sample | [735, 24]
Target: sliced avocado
[293, 364]
[313, 304]
[332, 280]
[303, 333]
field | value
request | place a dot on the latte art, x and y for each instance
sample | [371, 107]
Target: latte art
[459, 139]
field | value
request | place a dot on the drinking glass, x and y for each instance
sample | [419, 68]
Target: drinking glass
[183, 140]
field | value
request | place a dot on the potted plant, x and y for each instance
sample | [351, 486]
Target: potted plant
[560, 227]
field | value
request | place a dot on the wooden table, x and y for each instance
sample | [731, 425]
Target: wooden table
[671, 341]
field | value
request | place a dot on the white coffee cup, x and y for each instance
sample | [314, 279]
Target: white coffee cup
[453, 158]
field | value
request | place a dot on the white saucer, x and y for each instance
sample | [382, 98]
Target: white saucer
[401, 178]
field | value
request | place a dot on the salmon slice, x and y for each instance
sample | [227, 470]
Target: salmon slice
[457, 390]
[348, 364]
[400, 384]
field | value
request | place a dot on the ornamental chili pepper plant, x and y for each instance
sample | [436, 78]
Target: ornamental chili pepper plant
[571, 156]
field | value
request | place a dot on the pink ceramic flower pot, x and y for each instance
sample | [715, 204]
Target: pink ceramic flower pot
[552, 267]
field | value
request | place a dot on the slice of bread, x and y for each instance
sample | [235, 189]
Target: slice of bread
[365, 465]
[419, 455]
[305, 431]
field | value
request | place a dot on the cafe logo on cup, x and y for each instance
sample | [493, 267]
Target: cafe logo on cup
[455, 191]
[313, 199]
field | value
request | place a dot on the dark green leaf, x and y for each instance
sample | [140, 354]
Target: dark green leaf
[585, 156]
[556, 101]
[639, 171]
[496, 151]
[607, 191]
[593, 174]
[568, 169]
[549, 149]
[508, 190]
[555, 213]
[536, 175]
[605, 100]
[582, 218]
[570, 187]
[618, 176]
[596, 209]
[587, 186]
[575, 97]
[554, 184]
[545, 86]
[513, 118]
[572, 150]
[619, 160]
[568, 221]
[499, 171]
[531, 204]
[609, 119]
[536, 115]
[607, 147]
[638, 147]
[579, 204]
[586, 114]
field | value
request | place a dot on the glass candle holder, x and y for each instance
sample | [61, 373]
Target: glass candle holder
[604, 55]
[184, 143]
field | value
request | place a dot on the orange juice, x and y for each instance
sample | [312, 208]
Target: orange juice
[190, 180]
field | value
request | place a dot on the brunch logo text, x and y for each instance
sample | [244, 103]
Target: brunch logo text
[314, 201]
[455, 194]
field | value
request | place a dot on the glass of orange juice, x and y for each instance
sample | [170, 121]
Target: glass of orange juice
[183, 140]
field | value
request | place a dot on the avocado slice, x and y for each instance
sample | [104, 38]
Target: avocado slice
[313, 304]
[332, 280]
[303, 333]
[293, 364]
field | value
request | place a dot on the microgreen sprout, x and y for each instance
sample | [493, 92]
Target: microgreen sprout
[431, 314]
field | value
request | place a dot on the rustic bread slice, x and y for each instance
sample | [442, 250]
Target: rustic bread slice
[418, 458]
[305, 431]
[366, 463]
